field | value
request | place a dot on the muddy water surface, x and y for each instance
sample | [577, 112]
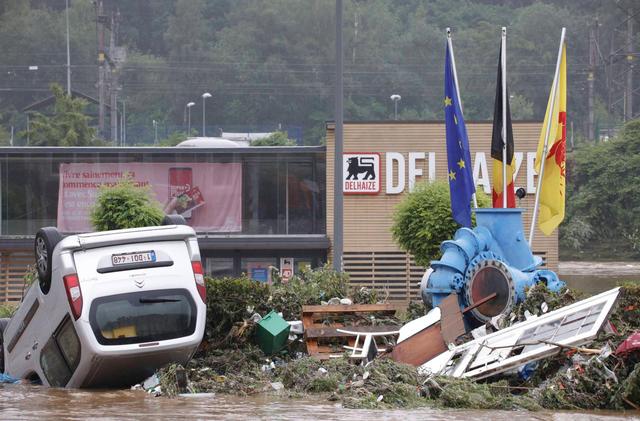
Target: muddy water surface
[595, 277]
[38, 403]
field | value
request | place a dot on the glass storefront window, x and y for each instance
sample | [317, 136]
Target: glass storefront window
[258, 268]
[238, 193]
[219, 267]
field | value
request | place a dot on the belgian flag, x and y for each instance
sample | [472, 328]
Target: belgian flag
[496, 148]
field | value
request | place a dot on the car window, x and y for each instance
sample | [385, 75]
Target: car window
[53, 364]
[144, 316]
[61, 354]
[69, 344]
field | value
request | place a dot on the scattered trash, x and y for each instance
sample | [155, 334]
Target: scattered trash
[346, 301]
[277, 386]
[322, 370]
[197, 395]
[631, 344]
[296, 327]
[151, 382]
[5, 378]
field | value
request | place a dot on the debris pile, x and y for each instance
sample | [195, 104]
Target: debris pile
[450, 392]
[588, 377]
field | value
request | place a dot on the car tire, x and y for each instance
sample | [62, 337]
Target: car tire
[174, 220]
[3, 325]
[46, 240]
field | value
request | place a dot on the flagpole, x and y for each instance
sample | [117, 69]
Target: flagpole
[455, 81]
[554, 89]
[503, 64]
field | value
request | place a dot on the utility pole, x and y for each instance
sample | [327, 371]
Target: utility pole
[337, 168]
[100, 20]
[68, 53]
[591, 79]
[629, 88]
[113, 83]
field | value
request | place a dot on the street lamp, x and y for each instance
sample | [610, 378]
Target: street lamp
[395, 98]
[189, 105]
[123, 120]
[204, 97]
[155, 131]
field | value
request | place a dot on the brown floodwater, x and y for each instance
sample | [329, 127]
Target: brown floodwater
[595, 277]
[22, 402]
[19, 402]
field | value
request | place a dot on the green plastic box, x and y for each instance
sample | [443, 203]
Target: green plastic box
[272, 333]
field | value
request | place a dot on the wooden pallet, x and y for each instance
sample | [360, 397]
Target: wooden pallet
[317, 333]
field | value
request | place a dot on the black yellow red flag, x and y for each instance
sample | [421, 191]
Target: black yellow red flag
[496, 148]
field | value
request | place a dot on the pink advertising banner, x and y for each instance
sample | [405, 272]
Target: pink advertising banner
[208, 195]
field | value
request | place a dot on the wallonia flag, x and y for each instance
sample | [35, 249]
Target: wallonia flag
[496, 148]
[551, 208]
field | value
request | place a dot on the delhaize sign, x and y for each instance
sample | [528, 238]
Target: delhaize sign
[402, 170]
[361, 173]
[208, 195]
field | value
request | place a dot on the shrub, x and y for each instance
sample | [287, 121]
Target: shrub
[277, 138]
[231, 301]
[309, 288]
[423, 220]
[125, 205]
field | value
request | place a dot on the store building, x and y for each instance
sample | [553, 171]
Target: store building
[251, 206]
[400, 154]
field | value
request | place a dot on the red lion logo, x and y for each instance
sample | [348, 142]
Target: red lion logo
[559, 148]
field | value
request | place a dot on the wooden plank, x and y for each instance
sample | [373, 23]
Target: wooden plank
[332, 332]
[354, 308]
[421, 347]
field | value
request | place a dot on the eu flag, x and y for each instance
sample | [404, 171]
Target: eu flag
[461, 185]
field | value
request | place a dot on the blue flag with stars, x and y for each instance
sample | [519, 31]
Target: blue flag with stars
[461, 185]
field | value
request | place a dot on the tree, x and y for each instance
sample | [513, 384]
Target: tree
[174, 138]
[423, 220]
[603, 194]
[275, 139]
[68, 126]
[125, 205]
[5, 137]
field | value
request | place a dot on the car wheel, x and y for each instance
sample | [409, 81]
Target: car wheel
[3, 324]
[1, 352]
[46, 240]
[174, 220]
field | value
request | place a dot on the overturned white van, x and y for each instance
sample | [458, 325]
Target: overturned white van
[109, 307]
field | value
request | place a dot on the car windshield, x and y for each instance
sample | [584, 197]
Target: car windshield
[144, 316]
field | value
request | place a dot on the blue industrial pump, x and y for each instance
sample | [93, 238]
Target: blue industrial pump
[494, 257]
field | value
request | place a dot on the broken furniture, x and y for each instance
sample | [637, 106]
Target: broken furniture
[494, 257]
[445, 327]
[369, 349]
[321, 326]
[524, 342]
[429, 336]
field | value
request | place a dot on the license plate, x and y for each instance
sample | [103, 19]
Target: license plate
[132, 258]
